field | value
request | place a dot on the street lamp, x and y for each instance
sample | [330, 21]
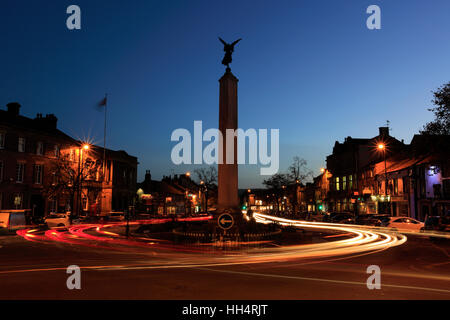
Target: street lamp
[84, 147]
[382, 148]
[205, 190]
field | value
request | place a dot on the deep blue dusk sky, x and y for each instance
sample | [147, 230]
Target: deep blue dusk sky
[310, 68]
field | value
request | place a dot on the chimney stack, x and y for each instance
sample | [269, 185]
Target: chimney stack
[13, 108]
[48, 122]
[384, 131]
[148, 176]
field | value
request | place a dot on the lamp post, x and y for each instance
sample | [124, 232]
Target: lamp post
[382, 148]
[205, 190]
[80, 159]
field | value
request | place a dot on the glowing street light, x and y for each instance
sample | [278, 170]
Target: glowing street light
[382, 148]
[322, 170]
[85, 147]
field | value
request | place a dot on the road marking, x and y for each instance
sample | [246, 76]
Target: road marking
[324, 280]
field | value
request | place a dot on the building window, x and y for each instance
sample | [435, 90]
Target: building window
[40, 148]
[350, 182]
[84, 204]
[21, 145]
[2, 140]
[344, 183]
[1, 170]
[56, 151]
[52, 205]
[54, 179]
[337, 183]
[18, 199]
[20, 169]
[38, 173]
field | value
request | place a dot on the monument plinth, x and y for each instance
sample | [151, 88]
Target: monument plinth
[228, 199]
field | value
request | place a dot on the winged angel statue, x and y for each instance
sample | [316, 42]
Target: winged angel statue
[228, 48]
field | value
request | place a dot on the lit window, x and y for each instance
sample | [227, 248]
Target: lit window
[21, 145]
[18, 201]
[20, 169]
[350, 182]
[337, 184]
[344, 183]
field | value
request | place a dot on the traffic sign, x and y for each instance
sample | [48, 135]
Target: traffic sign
[225, 221]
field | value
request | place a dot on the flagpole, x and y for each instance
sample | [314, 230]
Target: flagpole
[104, 140]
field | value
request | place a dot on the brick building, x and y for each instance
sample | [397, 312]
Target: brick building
[33, 151]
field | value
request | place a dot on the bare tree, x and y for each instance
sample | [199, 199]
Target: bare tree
[71, 177]
[299, 174]
[208, 175]
[207, 178]
[298, 171]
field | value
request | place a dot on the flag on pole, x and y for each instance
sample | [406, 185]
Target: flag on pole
[103, 102]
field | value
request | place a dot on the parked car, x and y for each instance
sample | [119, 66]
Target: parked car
[116, 216]
[315, 217]
[330, 216]
[404, 224]
[437, 223]
[343, 218]
[369, 220]
[57, 220]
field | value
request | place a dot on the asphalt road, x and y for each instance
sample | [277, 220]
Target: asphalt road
[417, 269]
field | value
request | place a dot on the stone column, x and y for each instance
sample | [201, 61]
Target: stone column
[228, 116]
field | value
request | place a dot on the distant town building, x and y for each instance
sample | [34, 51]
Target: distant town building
[177, 194]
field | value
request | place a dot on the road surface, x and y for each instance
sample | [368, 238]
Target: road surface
[417, 269]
